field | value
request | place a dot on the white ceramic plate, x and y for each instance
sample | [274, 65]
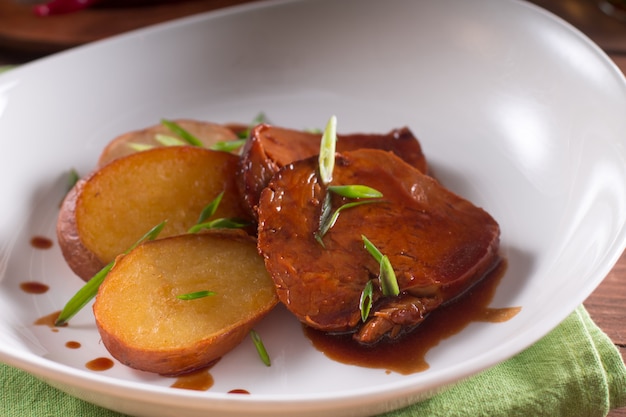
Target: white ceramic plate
[516, 111]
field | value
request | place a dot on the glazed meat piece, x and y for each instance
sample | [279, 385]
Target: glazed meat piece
[439, 244]
[269, 148]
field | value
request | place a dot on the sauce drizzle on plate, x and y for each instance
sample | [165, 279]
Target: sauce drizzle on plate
[407, 355]
[34, 287]
[40, 242]
[200, 380]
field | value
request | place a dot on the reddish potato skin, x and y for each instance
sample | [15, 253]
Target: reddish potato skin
[269, 148]
[81, 260]
[208, 133]
[183, 361]
[187, 356]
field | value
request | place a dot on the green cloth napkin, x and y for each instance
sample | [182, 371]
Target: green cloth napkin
[575, 371]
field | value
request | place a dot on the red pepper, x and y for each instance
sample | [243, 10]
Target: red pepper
[62, 6]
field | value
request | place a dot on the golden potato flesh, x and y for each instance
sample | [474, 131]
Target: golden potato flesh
[106, 213]
[146, 326]
[208, 133]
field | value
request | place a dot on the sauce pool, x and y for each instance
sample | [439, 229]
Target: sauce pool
[407, 355]
[198, 381]
[49, 321]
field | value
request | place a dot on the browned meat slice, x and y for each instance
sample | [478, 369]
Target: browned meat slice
[269, 148]
[439, 244]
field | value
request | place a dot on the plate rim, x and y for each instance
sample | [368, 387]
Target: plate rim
[45, 368]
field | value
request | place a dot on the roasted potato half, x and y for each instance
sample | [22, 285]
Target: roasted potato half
[145, 325]
[208, 133]
[105, 213]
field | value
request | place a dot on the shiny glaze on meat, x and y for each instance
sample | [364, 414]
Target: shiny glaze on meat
[269, 148]
[439, 244]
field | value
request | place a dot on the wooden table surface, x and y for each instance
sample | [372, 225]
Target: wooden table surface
[607, 303]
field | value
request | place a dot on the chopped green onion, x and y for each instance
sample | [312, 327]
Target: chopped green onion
[325, 217]
[260, 118]
[210, 208]
[195, 295]
[83, 296]
[327, 151]
[365, 304]
[388, 280]
[326, 222]
[355, 191]
[260, 348]
[139, 147]
[221, 223]
[182, 133]
[228, 145]
[386, 275]
[72, 178]
[163, 140]
[90, 289]
[373, 250]
[167, 140]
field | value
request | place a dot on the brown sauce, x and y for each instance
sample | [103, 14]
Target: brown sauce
[49, 321]
[407, 355]
[239, 391]
[40, 242]
[72, 345]
[99, 364]
[34, 287]
[198, 381]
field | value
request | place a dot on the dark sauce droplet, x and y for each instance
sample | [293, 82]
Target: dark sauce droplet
[407, 355]
[239, 391]
[34, 287]
[40, 242]
[72, 345]
[198, 381]
[99, 364]
[49, 321]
